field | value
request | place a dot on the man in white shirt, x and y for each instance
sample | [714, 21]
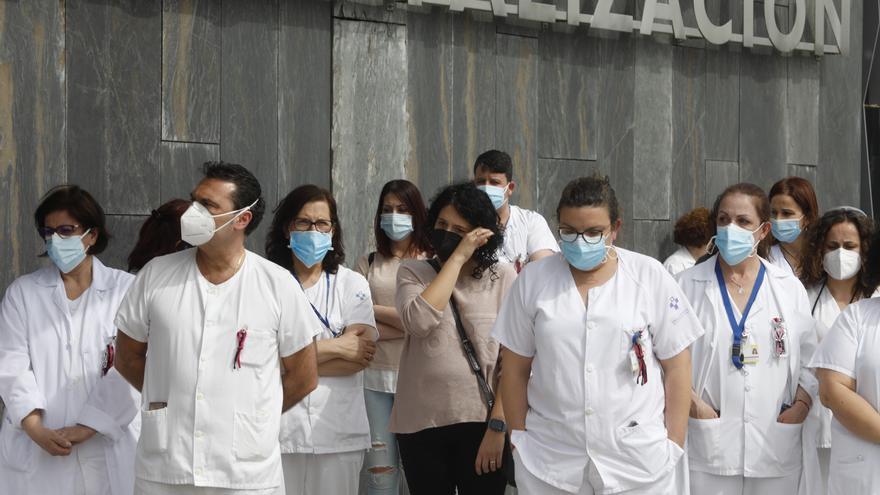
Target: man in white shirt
[221, 324]
[527, 236]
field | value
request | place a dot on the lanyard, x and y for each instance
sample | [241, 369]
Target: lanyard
[324, 319]
[738, 327]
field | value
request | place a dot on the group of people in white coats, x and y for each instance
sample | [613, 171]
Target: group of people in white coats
[470, 350]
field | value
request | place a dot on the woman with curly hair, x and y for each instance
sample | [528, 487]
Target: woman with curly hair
[692, 233]
[440, 410]
[833, 271]
[848, 370]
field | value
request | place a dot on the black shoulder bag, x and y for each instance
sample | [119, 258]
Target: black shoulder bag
[470, 354]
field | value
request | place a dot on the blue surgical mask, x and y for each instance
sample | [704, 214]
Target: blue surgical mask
[735, 243]
[785, 230]
[396, 225]
[496, 194]
[311, 246]
[66, 252]
[583, 255]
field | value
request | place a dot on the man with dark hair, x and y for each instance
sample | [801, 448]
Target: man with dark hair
[527, 236]
[221, 324]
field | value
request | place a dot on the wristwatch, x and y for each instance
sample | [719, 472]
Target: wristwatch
[497, 425]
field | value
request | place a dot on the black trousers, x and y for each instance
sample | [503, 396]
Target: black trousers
[437, 461]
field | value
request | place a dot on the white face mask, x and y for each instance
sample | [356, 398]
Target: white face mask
[197, 223]
[842, 264]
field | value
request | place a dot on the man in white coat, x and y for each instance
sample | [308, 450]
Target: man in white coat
[221, 325]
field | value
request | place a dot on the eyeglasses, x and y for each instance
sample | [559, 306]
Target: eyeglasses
[304, 224]
[589, 236]
[62, 230]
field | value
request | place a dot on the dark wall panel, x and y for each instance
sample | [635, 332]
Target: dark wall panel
[688, 130]
[114, 88]
[429, 56]
[553, 176]
[516, 123]
[33, 112]
[370, 145]
[125, 229]
[475, 81]
[840, 114]
[249, 100]
[191, 70]
[616, 113]
[652, 160]
[567, 96]
[181, 167]
[305, 98]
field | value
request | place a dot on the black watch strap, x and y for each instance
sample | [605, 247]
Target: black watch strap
[497, 425]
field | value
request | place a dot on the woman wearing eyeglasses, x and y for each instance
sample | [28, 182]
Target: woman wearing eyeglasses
[752, 389]
[70, 417]
[834, 275]
[596, 367]
[324, 437]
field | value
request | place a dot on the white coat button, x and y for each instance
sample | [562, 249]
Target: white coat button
[198, 433]
[200, 396]
[198, 471]
[746, 419]
[589, 411]
[591, 325]
[748, 388]
[590, 368]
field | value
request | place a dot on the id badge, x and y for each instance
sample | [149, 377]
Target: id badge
[751, 353]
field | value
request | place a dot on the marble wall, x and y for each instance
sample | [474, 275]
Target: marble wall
[129, 97]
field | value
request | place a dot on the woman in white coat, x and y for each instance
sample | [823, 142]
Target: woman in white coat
[752, 390]
[793, 210]
[324, 437]
[70, 421]
[847, 364]
[833, 273]
[596, 378]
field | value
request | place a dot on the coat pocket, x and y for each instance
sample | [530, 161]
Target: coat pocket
[154, 431]
[784, 446]
[17, 450]
[253, 438]
[703, 441]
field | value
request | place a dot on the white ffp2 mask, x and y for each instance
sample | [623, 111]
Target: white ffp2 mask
[197, 223]
[842, 264]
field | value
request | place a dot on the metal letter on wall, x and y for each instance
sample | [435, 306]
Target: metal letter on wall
[534, 11]
[603, 18]
[785, 43]
[817, 11]
[670, 11]
[717, 35]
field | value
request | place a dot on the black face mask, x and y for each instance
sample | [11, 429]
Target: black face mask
[444, 243]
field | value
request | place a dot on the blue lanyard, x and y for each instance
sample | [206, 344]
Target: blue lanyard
[324, 319]
[738, 327]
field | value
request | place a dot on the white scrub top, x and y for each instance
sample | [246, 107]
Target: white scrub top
[52, 360]
[747, 440]
[824, 309]
[333, 418]
[220, 426]
[852, 347]
[526, 233]
[679, 261]
[584, 402]
[778, 259]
